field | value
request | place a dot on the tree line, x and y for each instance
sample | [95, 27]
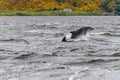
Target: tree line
[76, 5]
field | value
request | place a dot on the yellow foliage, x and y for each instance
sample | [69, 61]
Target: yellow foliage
[65, 5]
[90, 7]
[112, 4]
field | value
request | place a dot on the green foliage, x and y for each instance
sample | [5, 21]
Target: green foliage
[74, 4]
[118, 8]
[60, 1]
[105, 6]
[22, 14]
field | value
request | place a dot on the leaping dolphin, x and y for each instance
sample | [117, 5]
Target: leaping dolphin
[80, 34]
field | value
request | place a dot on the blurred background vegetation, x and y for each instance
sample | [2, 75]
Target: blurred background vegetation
[55, 7]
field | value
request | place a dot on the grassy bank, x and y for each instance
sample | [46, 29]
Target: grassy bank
[51, 13]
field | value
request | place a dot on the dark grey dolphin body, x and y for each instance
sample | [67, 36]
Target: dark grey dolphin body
[77, 33]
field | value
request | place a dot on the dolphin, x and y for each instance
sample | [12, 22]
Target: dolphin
[80, 34]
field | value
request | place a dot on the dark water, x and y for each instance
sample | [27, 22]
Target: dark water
[31, 49]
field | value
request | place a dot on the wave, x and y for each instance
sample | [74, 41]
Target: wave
[46, 54]
[14, 40]
[117, 54]
[26, 55]
[95, 74]
[42, 26]
[107, 34]
[110, 34]
[96, 61]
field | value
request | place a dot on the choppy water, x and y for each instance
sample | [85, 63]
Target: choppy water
[31, 49]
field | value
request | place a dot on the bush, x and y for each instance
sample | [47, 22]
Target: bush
[22, 14]
[118, 13]
[118, 8]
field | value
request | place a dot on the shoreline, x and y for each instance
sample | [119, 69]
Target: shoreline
[53, 13]
[60, 16]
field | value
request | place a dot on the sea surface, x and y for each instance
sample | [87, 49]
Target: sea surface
[31, 48]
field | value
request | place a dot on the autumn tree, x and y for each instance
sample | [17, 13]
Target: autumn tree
[78, 5]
